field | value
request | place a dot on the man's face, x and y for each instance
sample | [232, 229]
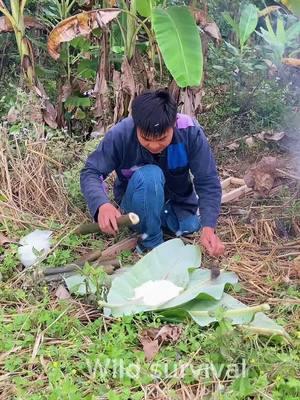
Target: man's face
[155, 144]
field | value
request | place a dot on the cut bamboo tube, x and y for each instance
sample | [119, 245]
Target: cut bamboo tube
[129, 219]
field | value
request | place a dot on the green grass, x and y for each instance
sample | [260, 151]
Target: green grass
[47, 353]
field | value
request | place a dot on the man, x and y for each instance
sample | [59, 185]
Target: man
[154, 153]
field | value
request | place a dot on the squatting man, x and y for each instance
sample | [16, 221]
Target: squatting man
[166, 174]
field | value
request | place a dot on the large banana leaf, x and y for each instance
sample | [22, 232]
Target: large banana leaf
[171, 261]
[204, 312]
[248, 22]
[179, 41]
[200, 285]
[144, 7]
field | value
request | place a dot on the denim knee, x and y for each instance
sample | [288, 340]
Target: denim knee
[190, 224]
[148, 175]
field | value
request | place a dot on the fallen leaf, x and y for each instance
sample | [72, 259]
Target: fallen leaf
[77, 25]
[12, 115]
[169, 333]
[127, 81]
[274, 136]
[150, 348]
[119, 98]
[62, 293]
[152, 338]
[66, 91]
[250, 142]
[213, 31]
[50, 114]
[233, 146]
[200, 17]
[101, 89]
[291, 62]
[261, 177]
[191, 100]
[4, 241]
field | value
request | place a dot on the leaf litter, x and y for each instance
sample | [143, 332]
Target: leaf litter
[153, 338]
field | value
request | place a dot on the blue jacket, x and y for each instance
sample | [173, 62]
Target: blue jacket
[187, 163]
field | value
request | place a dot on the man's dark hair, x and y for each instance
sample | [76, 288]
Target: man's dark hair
[153, 112]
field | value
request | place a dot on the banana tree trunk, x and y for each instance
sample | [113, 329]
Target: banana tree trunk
[23, 43]
[16, 19]
[27, 58]
[131, 30]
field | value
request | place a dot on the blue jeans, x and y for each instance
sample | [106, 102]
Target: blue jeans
[145, 197]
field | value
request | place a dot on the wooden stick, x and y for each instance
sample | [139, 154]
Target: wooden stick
[288, 174]
[129, 219]
[235, 193]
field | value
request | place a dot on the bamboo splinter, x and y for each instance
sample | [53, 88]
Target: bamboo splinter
[129, 219]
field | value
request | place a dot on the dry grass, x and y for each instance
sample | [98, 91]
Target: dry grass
[31, 186]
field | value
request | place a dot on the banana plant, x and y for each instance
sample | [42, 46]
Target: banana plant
[246, 24]
[174, 30]
[281, 39]
[15, 21]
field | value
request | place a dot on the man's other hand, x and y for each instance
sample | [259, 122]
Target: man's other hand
[107, 218]
[211, 242]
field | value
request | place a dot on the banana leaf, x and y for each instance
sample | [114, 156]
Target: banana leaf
[80, 285]
[248, 22]
[179, 41]
[203, 286]
[170, 261]
[204, 312]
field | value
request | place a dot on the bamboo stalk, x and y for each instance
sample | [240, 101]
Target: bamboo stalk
[105, 262]
[109, 269]
[288, 174]
[73, 267]
[129, 219]
[232, 313]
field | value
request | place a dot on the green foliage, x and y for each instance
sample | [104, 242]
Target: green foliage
[9, 263]
[282, 39]
[144, 7]
[87, 69]
[55, 11]
[178, 39]
[77, 101]
[246, 24]
[293, 5]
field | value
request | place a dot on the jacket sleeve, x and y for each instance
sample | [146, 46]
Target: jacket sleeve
[206, 179]
[99, 164]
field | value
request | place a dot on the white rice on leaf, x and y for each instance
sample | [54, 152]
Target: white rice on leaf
[155, 293]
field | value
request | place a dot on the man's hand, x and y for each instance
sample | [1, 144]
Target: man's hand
[211, 242]
[107, 218]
